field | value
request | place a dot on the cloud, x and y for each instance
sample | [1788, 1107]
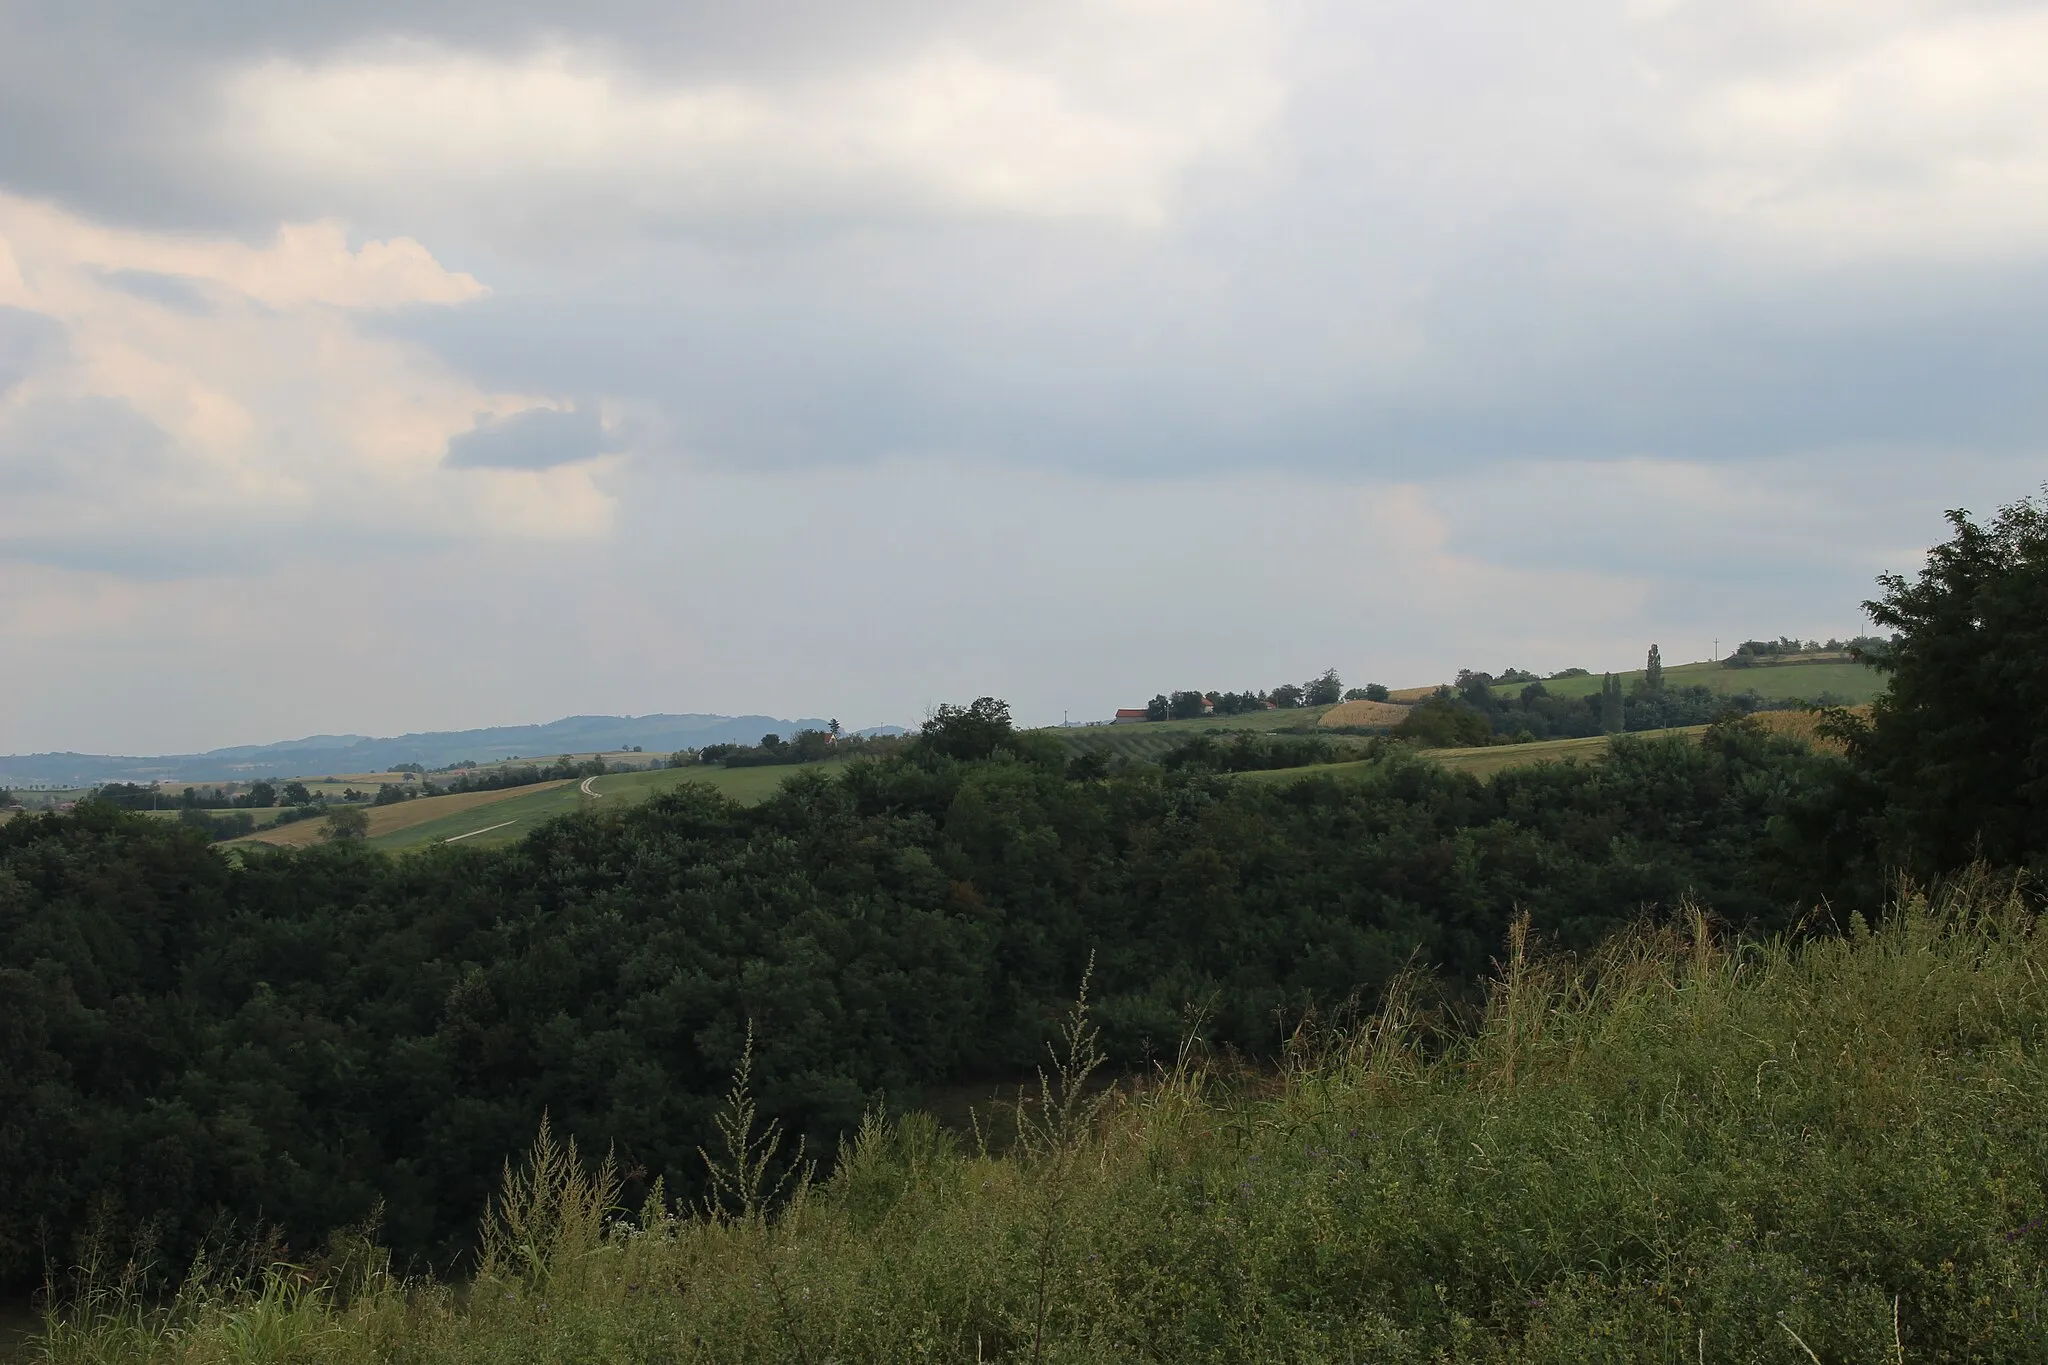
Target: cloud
[1923, 131]
[1006, 122]
[1443, 332]
[538, 438]
[24, 338]
[238, 398]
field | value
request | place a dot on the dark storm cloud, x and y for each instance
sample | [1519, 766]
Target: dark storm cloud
[539, 438]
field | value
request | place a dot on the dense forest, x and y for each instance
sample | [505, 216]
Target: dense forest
[200, 1045]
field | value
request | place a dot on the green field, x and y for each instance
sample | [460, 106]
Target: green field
[504, 821]
[1483, 761]
[1854, 683]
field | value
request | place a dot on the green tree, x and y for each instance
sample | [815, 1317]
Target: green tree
[970, 732]
[1186, 705]
[1376, 692]
[1653, 672]
[345, 823]
[1159, 708]
[1957, 745]
[1445, 723]
[1326, 690]
[1286, 696]
[296, 794]
[1613, 716]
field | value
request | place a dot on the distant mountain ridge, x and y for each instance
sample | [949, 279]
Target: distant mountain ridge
[316, 755]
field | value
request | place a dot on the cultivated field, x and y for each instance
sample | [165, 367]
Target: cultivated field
[502, 823]
[1852, 682]
[1483, 761]
[1364, 713]
[386, 821]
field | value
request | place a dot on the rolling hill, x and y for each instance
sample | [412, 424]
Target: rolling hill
[1835, 676]
[486, 819]
[320, 754]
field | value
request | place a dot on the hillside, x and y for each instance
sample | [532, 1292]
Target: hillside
[493, 818]
[1680, 1149]
[1148, 741]
[323, 754]
[1842, 679]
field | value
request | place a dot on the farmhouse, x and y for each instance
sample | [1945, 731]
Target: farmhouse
[1126, 716]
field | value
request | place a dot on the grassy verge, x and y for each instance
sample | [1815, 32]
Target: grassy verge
[1677, 1150]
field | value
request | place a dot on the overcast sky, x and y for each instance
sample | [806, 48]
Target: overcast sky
[385, 366]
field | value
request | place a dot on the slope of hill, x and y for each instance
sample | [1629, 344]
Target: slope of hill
[1683, 1148]
[492, 825]
[656, 734]
[487, 819]
[1835, 677]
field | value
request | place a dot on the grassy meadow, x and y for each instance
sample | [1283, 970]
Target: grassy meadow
[490, 826]
[1853, 682]
[1680, 1148]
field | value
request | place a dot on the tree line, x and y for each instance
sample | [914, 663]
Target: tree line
[1326, 689]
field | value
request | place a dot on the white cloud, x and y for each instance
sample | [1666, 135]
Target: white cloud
[238, 397]
[1927, 136]
[1096, 114]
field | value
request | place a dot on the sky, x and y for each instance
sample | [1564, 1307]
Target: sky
[375, 367]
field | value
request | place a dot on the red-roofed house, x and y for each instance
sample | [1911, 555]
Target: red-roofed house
[1126, 716]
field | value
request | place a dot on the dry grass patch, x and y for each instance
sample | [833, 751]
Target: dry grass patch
[1364, 713]
[1806, 725]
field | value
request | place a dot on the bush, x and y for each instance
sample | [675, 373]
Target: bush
[1445, 723]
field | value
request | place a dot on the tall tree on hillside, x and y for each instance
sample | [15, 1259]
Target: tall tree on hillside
[1612, 716]
[1653, 672]
[1957, 745]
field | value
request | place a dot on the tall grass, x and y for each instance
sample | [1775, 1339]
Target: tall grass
[1680, 1149]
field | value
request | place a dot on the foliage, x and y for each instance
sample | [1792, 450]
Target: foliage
[218, 827]
[1653, 670]
[1445, 723]
[1238, 703]
[345, 823]
[1326, 690]
[1678, 1148]
[1246, 753]
[1613, 714]
[297, 1036]
[1955, 753]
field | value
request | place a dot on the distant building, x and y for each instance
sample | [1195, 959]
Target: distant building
[1126, 716]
